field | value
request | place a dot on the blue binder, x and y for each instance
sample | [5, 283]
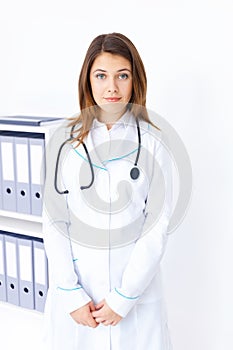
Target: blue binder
[21, 182]
[26, 272]
[22, 163]
[40, 274]
[3, 294]
[12, 272]
[37, 171]
[8, 170]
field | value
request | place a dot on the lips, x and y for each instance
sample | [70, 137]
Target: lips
[112, 99]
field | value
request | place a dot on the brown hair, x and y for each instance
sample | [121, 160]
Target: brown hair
[118, 44]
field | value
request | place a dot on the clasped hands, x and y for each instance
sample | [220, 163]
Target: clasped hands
[92, 315]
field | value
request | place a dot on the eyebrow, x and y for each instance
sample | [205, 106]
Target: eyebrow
[118, 71]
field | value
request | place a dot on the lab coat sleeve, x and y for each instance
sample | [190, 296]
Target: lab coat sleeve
[149, 248]
[61, 268]
[62, 275]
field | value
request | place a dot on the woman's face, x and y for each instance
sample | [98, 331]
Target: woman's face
[111, 83]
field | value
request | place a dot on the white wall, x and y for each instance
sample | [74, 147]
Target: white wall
[187, 50]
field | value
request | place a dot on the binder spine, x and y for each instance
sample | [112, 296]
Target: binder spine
[8, 173]
[37, 173]
[12, 271]
[3, 294]
[26, 275]
[41, 275]
[23, 194]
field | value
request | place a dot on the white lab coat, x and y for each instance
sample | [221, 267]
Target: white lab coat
[114, 260]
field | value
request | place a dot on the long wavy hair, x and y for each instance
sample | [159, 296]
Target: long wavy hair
[118, 44]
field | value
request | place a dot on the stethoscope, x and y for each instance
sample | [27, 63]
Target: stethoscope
[134, 172]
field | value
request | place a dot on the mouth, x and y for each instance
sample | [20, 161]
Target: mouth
[112, 99]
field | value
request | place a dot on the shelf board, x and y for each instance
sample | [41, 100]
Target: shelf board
[20, 216]
[20, 225]
[11, 307]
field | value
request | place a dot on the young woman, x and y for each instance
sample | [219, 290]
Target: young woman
[105, 229]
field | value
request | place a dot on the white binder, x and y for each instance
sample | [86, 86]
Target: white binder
[23, 196]
[40, 274]
[8, 171]
[2, 268]
[12, 274]
[37, 167]
[26, 280]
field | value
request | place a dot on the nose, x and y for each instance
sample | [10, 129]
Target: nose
[112, 86]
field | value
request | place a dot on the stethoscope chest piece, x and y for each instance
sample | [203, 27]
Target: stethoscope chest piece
[134, 173]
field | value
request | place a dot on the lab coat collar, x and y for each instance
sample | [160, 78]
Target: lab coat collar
[123, 129]
[95, 137]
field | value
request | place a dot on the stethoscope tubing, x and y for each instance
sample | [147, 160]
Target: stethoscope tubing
[134, 173]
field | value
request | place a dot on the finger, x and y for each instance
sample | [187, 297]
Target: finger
[96, 325]
[100, 305]
[92, 323]
[94, 314]
[92, 306]
[97, 313]
[100, 313]
[100, 319]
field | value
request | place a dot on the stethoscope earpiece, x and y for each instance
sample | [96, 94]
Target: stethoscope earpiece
[134, 173]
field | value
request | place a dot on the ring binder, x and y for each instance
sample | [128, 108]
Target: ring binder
[37, 169]
[41, 274]
[8, 171]
[26, 280]
[3, 295]
[22, 174]
[12, 274]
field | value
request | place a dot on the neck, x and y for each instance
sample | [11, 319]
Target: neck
[109, 118]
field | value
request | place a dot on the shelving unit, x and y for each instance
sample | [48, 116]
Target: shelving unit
[16, 321]
[20, 328]
[30, 225]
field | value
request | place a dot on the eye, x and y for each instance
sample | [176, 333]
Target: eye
[123, 76]
[100, 76]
